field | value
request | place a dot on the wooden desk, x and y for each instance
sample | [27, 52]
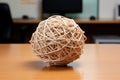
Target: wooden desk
[77, 21]
[20, 21]
[99, 62]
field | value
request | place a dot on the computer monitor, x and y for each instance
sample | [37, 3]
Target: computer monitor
[62, 7]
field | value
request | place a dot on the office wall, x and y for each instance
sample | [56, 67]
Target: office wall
[107, 9]
[90, 8]
[19, 8]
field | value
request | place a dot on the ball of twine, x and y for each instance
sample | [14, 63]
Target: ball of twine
[58, 40]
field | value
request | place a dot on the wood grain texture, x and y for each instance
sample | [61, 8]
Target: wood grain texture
[99, 62]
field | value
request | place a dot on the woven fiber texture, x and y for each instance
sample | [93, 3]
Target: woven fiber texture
[58, 40]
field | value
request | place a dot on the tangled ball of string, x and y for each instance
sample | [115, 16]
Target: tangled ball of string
[58, 40]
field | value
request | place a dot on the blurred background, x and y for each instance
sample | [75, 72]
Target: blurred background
[98, 18]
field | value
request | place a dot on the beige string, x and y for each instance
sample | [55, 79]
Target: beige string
[58, 40]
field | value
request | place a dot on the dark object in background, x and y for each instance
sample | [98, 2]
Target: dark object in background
[25, 17]
[6, 24]
[92, 18]
[61, 7]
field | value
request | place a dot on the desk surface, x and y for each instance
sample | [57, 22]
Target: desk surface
[99, 62]
[77, 21]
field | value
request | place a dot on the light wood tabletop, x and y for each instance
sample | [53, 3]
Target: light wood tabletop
[98, 62]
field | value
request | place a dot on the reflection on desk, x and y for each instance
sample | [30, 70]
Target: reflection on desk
[99, 62]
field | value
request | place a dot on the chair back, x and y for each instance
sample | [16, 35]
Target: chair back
[6, 23]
